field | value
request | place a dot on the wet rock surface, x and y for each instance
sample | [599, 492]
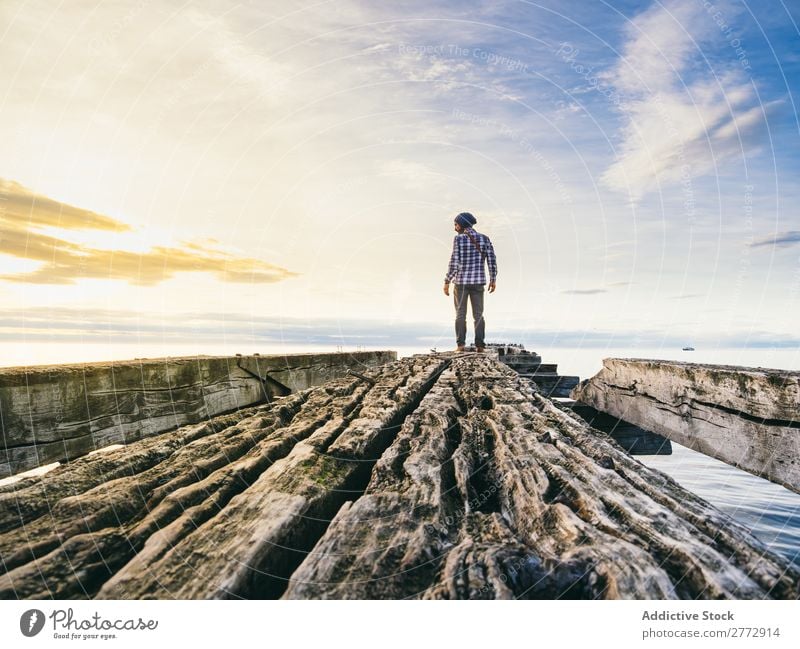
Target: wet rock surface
[441, 477]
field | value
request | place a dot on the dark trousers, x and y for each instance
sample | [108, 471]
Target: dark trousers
[473, 292]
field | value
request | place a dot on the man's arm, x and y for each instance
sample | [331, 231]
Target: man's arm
[491, 261]
[452, 268]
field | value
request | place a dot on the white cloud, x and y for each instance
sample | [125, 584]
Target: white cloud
[308, 137]
[411, 173]
[681, 123]
[241, 62]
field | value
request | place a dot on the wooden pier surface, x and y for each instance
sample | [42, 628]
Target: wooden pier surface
[437, 476]
[61, 412]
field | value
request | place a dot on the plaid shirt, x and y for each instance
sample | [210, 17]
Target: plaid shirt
[466, 263]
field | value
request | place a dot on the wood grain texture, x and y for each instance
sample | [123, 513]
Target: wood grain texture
[58, 413]
[747, 417]
[442, 477]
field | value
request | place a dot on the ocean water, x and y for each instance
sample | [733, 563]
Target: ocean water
[770, 511]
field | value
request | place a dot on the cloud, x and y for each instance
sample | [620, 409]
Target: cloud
[683, 116]
[411, 173]
[585, 291]
[22, 206]
[23, 212]
[780, 239]
[447, 61]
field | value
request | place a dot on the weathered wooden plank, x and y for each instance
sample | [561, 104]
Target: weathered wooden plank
[553, 385]
[491, 491]
[107, 523]
[634, 439]
[749, 418]
[392, 539]
[250, 548]
[55, 413]
[442, 476]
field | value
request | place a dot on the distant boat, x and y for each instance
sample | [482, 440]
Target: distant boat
[688, 349]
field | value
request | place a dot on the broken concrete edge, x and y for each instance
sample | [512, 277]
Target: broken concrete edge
[53, 413]
[746, 417]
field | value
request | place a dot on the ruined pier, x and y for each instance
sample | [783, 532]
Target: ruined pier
[438, 476]
[61, 412]
[746, 417]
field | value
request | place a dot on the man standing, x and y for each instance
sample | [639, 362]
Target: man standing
[466, 271]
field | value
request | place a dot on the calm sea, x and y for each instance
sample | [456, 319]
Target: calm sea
[770, 511]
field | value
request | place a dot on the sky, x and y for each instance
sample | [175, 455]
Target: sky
[209, 173]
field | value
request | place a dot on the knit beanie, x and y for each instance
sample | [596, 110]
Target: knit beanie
[466, 220]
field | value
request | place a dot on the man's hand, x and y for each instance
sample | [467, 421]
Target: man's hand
[447, 288]
[492, 287]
